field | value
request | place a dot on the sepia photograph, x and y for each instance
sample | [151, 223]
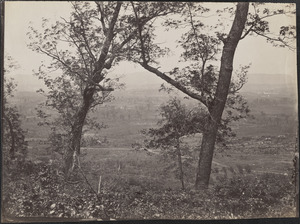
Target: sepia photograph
[148, 110]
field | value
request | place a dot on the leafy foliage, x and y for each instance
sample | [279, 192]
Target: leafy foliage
[202, 79]
[258, 24]
[201, 49]
[14, 144]
[13, 135]
[177, 121]
[42, 192]
[58, 112]
[202, 75]
[83, 49]
[267, 189]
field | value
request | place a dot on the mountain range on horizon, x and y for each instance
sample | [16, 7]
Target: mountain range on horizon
[138, 80]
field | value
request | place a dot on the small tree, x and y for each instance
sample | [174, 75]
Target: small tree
[13, 134]
[177, 121]
[58, 112]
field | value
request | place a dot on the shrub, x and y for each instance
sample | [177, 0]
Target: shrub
[254, 195]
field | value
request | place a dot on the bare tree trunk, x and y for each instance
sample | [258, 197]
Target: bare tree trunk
[180, 165]
[205, 157]
[76, 134]
[217, 107]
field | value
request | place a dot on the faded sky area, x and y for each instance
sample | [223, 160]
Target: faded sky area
[265, 58]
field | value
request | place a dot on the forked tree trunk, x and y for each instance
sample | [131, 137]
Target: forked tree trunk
[217, 107]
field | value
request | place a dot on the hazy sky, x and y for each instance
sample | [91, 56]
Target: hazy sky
[18, 15]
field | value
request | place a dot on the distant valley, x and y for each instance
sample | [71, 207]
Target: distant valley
[272, 103]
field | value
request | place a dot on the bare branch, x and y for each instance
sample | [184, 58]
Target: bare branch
[108, 64]
[260, 19]
[247, 32]
[235, 90]
[195, 34]
[99, 6]
[57, 58]
[176, 84]
[143, 52]
[275, 40]
[104, 51]
[86, 42]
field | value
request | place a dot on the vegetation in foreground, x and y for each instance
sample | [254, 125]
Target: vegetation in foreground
[142, 186]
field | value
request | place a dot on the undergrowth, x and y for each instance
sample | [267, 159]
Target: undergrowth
[38, 190]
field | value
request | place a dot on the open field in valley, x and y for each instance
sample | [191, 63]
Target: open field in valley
[252, 175]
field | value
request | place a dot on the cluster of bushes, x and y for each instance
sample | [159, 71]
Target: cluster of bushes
[265, 195]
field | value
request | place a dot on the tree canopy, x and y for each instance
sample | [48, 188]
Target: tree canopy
[98, 35]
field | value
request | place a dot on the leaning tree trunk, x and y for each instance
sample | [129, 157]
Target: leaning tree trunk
[206, 156]
[217, 107]
[76, 133]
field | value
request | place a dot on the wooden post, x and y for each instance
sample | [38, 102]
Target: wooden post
[99, 185]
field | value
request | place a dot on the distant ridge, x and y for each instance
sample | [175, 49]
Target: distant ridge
[145, 81]
[275, 82]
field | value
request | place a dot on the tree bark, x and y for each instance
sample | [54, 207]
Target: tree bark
[12, 135]
[205, 157]
[217, 106]
[76, 132]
